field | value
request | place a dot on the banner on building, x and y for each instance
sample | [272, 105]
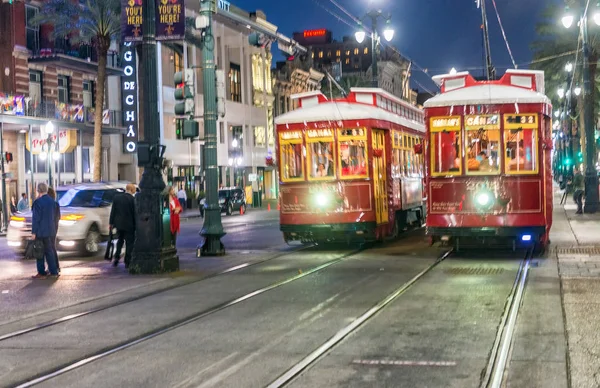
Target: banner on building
[12, 105]
[170, 19]
[131, 20]
[67, 141]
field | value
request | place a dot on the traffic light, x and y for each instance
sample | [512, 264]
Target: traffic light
[184, 92]
[190, 129]
[8, 157]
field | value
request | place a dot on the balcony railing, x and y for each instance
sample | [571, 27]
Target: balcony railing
[52, 110]
[82, 52]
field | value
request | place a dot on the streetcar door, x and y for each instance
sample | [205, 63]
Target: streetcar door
[380, 176]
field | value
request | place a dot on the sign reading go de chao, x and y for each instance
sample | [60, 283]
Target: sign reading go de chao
[67, 141]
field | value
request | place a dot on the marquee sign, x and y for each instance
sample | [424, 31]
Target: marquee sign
[67, 141]
[129, 94]
[315, 33]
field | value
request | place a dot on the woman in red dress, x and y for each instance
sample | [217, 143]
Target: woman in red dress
[174, 211]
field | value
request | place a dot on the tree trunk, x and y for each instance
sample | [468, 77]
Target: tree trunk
[102, 50]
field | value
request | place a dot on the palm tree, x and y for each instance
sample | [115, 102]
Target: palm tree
[94, 22]
[347, 82]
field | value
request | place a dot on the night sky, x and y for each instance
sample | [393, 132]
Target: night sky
[436, 34]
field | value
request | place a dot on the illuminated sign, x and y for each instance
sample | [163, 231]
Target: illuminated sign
[319, 133]
[67, 141]
[131, 20]
[290, 135]
[482, 122]
[315, 33]
[224, 5]
[129, 93]
[450, 122]
[517, 121]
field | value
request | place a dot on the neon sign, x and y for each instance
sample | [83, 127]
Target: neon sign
[224, 5]
[315, 33]
[129, 82]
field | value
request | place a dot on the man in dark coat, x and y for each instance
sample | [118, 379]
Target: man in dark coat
[43, 228]
[122, 217]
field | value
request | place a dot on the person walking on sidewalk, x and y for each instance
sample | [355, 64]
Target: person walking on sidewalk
[52, 194]
[182, 198]
[42, 229]
[122, 217]
[578, 190]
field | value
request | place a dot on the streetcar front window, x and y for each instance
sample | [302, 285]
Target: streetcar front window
[483, 150]
[353, 160]
[291, 162]
[445, 153]
[320, 160]
[520, 146]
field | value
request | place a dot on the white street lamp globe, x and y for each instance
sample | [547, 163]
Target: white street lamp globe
[567, 20]
[55, 155]
[230, 161]
[453, 71]
[561, 92]
[239, 161]
[596, 17]
[360, 36]
[569, 67]
[388, 34]
[556, 113]
[49, 128]
[234, 143]
[43, 155]
[577, 90]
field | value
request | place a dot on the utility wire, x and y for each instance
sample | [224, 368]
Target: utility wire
[504, 34]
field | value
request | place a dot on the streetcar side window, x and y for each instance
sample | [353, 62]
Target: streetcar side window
[520, 146]
[292, 162]
[483, 151]
[445, 152]
[320, 160]
[352, 153]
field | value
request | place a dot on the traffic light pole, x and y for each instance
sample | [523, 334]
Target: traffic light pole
[4, 204]
[212, 230]
[149, 253]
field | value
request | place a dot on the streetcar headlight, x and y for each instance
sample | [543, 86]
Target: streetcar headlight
[484, 199]
[321, 199]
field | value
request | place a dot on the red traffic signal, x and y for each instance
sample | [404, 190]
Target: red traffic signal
[8, 157]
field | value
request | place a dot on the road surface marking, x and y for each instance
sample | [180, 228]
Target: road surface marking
[405, 362]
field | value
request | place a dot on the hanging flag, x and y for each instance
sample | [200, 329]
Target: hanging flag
[170, 20]
[131, 20]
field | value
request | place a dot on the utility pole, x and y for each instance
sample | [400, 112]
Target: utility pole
[212, 230]
[150, 255]
[490, 71]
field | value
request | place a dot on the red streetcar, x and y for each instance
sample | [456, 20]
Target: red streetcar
[348, 167]
[489, 173]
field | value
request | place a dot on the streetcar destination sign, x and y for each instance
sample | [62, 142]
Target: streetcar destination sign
[449, 122]
[482, 121]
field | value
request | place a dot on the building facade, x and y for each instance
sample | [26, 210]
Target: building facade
[246, 131]
[44, 80]
[292, 77]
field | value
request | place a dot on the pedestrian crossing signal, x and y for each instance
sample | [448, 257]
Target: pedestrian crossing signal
[8, 157]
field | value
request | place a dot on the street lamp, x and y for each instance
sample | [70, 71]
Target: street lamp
[591, 175]
[48, 154]
[388, 34]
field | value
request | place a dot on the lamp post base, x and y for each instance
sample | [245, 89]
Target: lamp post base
[591, 193]
[212, 246]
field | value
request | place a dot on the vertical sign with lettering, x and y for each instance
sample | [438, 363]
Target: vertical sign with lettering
[129, 92]
[131, 20]
[170, 19]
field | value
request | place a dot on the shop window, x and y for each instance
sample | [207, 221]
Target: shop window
[291, 161]
[320, 159]
[352, 153]
[520, 146]
[445, 153]
[235, 83]
[483, 151]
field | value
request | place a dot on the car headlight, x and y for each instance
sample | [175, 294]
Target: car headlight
[321, 199]
[70, 219]
[17, 222]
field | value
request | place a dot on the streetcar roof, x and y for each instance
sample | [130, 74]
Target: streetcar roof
[342, 111]
[487, 94]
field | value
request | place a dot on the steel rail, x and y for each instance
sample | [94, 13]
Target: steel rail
[177, 324]
[494, 373]
[73, 316]
[314, 356]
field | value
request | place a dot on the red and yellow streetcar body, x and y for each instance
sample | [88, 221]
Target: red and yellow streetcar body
[348, 169]
[489, 159]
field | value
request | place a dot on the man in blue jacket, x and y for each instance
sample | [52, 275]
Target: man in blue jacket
[43, 229]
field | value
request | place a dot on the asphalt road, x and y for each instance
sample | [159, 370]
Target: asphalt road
[247, 327]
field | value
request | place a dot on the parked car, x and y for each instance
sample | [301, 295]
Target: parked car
[230, 199]
[85, 210]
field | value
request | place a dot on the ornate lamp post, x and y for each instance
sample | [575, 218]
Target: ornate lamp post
[591, 175]
[388, 34]
[48, 153]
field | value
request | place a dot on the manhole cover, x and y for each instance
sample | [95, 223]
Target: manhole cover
[474, 271]
[578, 251]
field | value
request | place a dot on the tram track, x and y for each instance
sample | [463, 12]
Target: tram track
[495, 371]
[73, 316]
[290, 374]
[102, 353]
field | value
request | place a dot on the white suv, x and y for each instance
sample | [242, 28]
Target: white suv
[85, 210]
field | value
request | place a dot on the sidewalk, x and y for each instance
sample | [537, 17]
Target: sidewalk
[575, 242]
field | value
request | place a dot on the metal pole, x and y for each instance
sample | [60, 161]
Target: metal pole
[151, 253]
[4, 205]
[374, 42]
[49, 159]
[570, 153]
[31, 168]
[212, 230]
[591, 176]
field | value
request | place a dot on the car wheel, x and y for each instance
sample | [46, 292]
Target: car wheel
[229, 210]
[243, 209]
[91, 244]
